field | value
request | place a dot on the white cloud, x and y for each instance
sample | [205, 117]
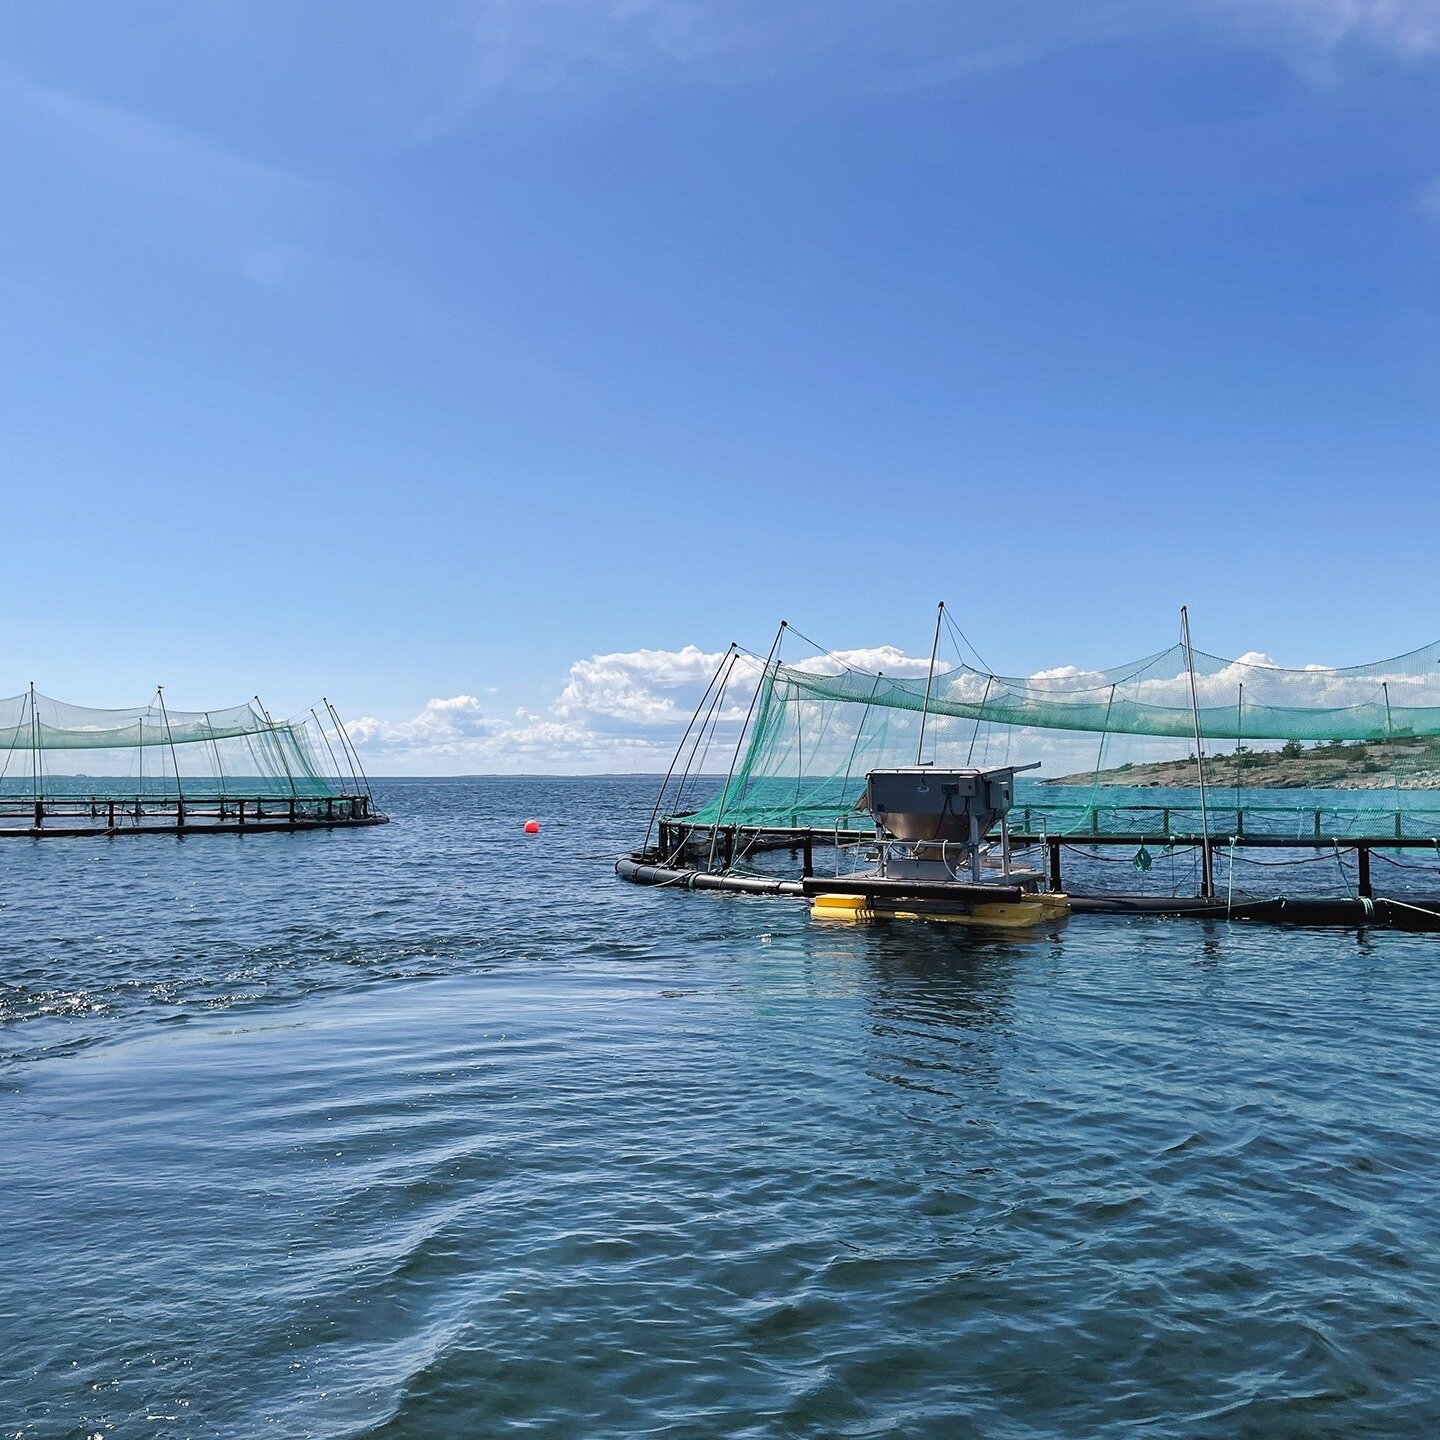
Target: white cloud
[626, 711]
[895, 44]
[623, 712]
[649, 689]
[446, 739]
[1406, 28]
[543, 44]
[873, 660]
[442, 722]
[1428, 200]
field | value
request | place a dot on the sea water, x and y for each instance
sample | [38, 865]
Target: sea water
[439, 1130]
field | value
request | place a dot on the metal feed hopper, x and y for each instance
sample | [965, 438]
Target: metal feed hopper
[933, 858]
[931, 822]
[921, 803]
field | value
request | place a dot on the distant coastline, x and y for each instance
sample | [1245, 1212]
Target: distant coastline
[1404, 764]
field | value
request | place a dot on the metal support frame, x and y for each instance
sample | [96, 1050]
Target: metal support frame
[929, 681]
[675, 759]
[1207, 859]
[739, 741]
[174, 759]
[284, 759]
[349, 744]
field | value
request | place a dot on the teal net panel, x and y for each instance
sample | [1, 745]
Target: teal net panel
[50, 750]
[1318, 750]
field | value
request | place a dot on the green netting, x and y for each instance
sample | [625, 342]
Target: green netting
[51, 749]
[1238, 699]
[1368, 738]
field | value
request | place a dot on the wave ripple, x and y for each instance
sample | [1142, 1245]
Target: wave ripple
[436, 1131]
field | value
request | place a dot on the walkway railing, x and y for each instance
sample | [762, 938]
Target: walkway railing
[120, 814]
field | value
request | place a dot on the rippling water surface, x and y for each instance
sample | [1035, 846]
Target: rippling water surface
[434, 1130]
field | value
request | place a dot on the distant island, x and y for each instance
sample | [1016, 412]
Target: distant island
[1409, 763]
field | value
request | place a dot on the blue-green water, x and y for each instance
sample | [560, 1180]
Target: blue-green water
[436, 1131]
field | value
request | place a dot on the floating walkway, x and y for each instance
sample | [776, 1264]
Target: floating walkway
[107, 815]
[1347, 911]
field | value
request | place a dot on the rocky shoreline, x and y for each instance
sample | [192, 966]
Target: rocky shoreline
[1411, 764]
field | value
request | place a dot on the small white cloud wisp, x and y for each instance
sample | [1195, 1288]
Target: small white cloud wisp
[556, 45]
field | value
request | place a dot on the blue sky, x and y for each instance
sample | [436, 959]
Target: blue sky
[420, 354]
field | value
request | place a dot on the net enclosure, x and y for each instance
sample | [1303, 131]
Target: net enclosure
[1336, 750]
[156, 767]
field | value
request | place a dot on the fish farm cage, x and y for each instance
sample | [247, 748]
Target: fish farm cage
[73, 770]
[1181, 783]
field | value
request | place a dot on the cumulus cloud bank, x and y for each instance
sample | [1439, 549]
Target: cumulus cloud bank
[649, 689]
[619, 712]
[622, 712]
[626, 711]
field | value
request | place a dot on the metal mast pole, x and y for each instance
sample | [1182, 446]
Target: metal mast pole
[1207, 860]
[860, 728]
[345, 737]
[1390, 741]
[215, 751]
[354, 775]
[929, 681]
[284, 760]
[705, 735]
[1239, 736]
[330, 749]
[975, 733]
[740, 740]
[34, 748]
[174, 759]
[675, 759]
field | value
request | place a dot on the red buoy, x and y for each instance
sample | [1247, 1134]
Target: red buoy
[532, 827]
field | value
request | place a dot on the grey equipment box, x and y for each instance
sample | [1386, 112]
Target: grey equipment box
[920, 803]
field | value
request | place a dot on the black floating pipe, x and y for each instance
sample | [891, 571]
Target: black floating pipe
[1418, 914]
